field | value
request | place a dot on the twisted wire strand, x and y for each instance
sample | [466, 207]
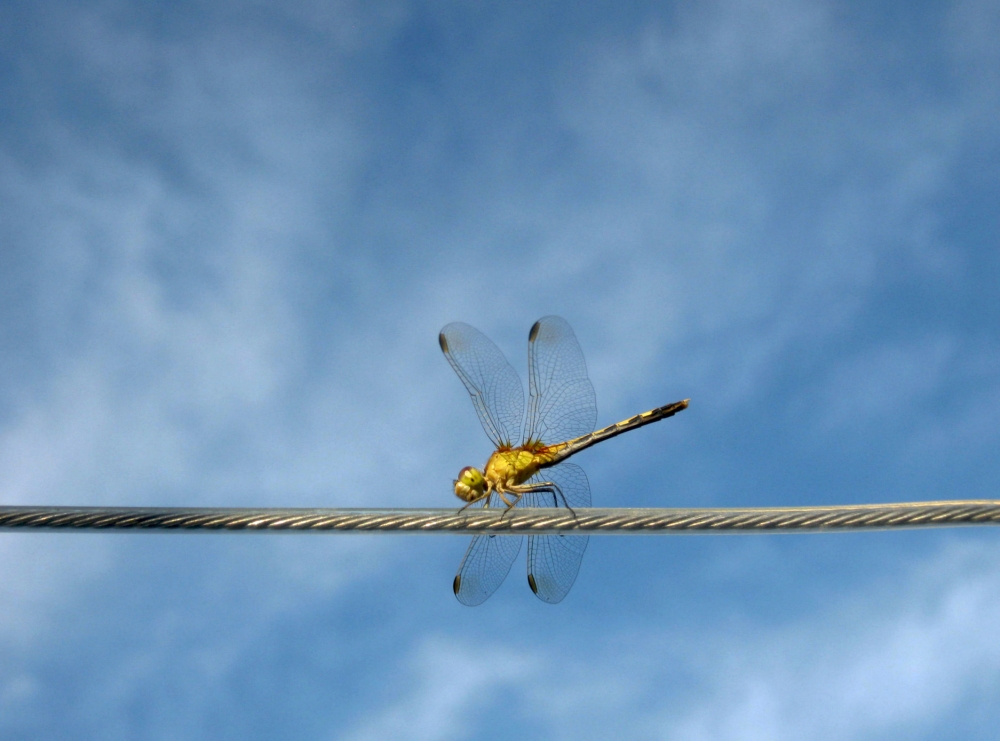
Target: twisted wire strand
[590, 521]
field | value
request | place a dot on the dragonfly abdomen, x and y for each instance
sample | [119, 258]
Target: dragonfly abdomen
[572, 447]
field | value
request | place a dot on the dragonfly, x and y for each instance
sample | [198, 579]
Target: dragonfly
[529, 466]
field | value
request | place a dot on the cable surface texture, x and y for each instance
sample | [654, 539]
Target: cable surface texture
[473, 521]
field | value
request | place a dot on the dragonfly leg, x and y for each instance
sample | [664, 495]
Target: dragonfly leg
[545, 486]
[510, 505]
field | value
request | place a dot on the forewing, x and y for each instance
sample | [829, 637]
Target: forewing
[491, 381]
[561, 400]
[486, 564]
[554, 560]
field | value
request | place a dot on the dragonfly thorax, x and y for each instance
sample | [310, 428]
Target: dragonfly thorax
[511, 467]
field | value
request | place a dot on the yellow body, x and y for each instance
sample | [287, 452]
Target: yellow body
[507, 468]
[506, 471]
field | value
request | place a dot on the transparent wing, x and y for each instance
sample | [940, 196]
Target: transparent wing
[492, 383]
[554, 560]
[561, 400]
[486, 564]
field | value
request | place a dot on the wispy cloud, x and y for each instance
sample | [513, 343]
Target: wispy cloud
[233, 236]
[883, 661]
[450, 685]
[897, 659]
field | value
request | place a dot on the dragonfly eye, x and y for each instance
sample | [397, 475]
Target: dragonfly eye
[470, 484]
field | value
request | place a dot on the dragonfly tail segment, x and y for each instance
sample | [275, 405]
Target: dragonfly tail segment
[574, 446]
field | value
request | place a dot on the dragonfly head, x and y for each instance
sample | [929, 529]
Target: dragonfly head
[470, 484]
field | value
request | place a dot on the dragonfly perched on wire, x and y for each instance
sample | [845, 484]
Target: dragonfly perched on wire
[528, 467]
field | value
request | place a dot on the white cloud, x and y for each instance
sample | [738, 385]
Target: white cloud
[167, 310]
[901, 656]
[708, 246]
[445, 686]
[738, 186]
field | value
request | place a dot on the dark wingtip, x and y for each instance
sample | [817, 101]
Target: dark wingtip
[534, 331]
[457, 584]
[531, 583]
[444, 343]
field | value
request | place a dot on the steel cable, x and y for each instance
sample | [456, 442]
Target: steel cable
[473, 521]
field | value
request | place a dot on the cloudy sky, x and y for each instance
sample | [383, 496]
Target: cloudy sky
[229, 235]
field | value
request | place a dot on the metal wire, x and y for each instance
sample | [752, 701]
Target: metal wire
[591, 521]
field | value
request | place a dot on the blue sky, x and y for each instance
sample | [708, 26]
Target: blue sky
[229, 235]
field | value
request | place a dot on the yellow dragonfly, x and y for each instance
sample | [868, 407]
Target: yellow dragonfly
[528, 467]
